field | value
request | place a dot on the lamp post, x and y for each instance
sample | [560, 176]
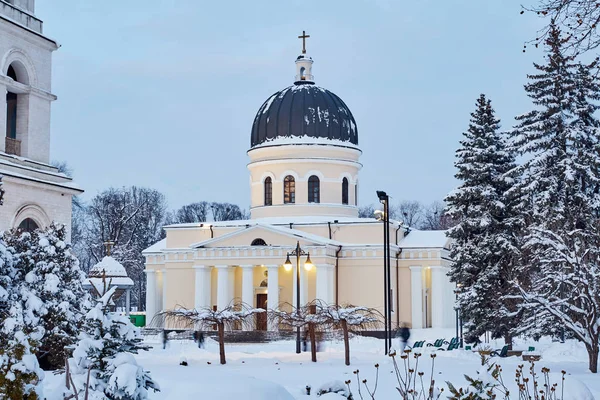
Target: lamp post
[298, 252]
[387, 297]
[459, 322]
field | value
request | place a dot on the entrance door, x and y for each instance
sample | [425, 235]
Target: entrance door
[261, 319]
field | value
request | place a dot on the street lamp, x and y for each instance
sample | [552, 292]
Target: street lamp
[298, 252]
[387, 298]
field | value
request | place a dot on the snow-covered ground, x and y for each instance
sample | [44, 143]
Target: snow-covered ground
[273, 371]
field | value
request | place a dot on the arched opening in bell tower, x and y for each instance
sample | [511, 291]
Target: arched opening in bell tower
[17, 73]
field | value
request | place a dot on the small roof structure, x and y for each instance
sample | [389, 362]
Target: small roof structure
[114, 273]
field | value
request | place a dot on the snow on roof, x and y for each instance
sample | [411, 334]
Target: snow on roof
[278, 229]
[281, 221]
[156, 247]
[110, 266]
[424, 239]
[310, 140]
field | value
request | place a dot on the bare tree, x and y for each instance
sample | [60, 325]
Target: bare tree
[578, 18]
[227, 212]
[435, 218]
[228, 317]
[130, 217]
[194, 212]
[310, 316]
[348, 319]
[410, 212]
[367, 211]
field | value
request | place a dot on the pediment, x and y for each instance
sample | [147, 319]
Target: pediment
[272, 236]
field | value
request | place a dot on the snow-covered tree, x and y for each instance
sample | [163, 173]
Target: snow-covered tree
[55, 277]
[485, 247]
[20, 329]
[230, 316]
[348, 319]
[561, 186]
[103, 362]
[311, 316]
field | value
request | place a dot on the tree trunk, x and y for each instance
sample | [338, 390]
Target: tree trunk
[508, 340]
[593, 356]
[346, 342]
[313, 342]
[221, 328]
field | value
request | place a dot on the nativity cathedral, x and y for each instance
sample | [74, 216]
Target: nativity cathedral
[304, 164]
[36, 193]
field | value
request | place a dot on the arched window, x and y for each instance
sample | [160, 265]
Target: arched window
[356, 194]
[28, 225]
[345, 191]
[302, 72]
[268, 191]
[258, 242]
[289, 190]
[314, 190]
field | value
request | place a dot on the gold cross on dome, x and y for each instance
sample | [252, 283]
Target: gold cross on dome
[303, 37]
[108, 244]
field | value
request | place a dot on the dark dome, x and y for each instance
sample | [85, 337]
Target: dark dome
[304, 110]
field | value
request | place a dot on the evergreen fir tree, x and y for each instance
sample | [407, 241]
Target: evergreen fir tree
[105, 351]
[560, 186]
[56, 279]
[485, 249]
[20, 331]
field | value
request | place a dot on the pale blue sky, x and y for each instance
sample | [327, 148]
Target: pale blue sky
[162, 93]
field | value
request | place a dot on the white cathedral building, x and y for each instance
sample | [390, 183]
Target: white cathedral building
[304, 176]
[36, 193]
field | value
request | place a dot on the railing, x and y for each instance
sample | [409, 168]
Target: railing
[12, 146]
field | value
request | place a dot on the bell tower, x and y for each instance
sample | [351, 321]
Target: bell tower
[36, 193]
[25, 82]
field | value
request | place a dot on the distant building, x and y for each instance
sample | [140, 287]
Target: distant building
[304, 165]
[36, 193]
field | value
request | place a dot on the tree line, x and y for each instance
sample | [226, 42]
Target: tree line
[414, 214]
[526, 246]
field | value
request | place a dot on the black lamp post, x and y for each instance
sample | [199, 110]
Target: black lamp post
[459, 322]
[298, 252]
[387, 297]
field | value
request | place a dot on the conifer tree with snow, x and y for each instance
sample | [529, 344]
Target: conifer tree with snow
[55, 277]
[103, 364]
[486, 239]
[560, 190]
[20, 330]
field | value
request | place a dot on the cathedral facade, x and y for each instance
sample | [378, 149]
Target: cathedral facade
[304, 176]
[36, 192]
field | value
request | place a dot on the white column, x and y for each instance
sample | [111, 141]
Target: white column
[223, 285]
[202, 287]
[127, 301]
[324, 288]
[416, 296]
[248, 284]
[248, 291]
[150, 295]
[164, 289]
[438, 295]
[273, 292]
[2, 116]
